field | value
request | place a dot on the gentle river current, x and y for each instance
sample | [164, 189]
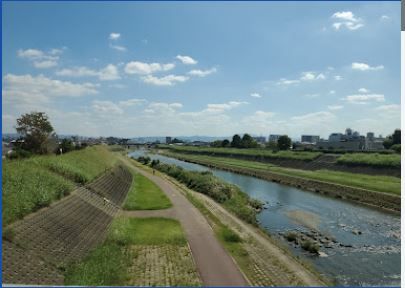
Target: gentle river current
[374, 258]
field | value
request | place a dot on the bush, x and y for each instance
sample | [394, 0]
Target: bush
[291, 236]
[229, 236]
[396, 148]
[19, 153]
[227, 194]
[310, 246]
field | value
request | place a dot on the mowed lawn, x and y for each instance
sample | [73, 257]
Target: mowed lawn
[386, 184]
[145, 195]
[108, 265]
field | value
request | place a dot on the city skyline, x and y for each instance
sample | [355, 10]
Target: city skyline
[214, 69]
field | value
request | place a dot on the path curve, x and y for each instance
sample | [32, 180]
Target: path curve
[215, 266]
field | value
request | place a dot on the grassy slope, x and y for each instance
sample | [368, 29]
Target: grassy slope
[376, 183]
[108, 264]
[33, 183]
[260, 152]
[374, 159]
[145, 195]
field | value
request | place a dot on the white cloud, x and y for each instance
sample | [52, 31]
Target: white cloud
[311, 96]
[363, 90]
[161, 108]
[365, 67]
[131, 102]
[391, 108]
[364, 98]
[202, 73]
[168, 80]
[186, 60]
[41, 59]
[255, 95]
[310, 76]
[284, 81]
[316, 117]
[109, 72]
[107, 107]
[115, 36]
[219, 108]
[335, 107]
[346, 19]
[136, 67]
[118, 48]
[338, 77]
[40, 89]
[385, 18]
[332, 92]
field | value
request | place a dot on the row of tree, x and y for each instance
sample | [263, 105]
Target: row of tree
[247, 141]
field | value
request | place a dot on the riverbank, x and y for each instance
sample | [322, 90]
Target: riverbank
[382, 200]
[263, 260]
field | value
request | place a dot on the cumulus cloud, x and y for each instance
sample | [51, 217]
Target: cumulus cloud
[40, 89]
[347, 20]
[137, 67]
[41, 59]
[338, 77]
[131, 102]
[255, 95]
[384, 18]
[161, 108]
[284, 81]
[389, 108]
[310, 76]
[186, 60]
[168, 80]
[365, 67]
[114, 36]
[363, 90]
[335, 107]
[332, 92]
[219, 108]
[202, 73]
[364, 98]
[109, 72]
[107, 107]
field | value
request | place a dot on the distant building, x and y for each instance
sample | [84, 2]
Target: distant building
[274, 137]
[309, 138]
[260, 139]
[335, 137]
[168, 140]
[370, 136]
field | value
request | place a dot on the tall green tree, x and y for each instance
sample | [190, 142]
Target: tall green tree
[225, 143]
[284, 142]
[236, 141]
[37, 131]
[248, 141]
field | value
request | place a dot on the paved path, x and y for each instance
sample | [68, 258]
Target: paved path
[214, 264]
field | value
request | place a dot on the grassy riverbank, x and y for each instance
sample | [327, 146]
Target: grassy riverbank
[372, 159]
[227, 194]
[30, 184]
[113, 263]
[145, 195]
[385, 184]
[254, 152]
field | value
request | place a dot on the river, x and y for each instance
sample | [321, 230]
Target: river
[371, 258]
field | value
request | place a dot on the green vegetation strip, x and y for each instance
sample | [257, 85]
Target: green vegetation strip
[385, 184]
[373, 159]
[256, 152]
[222, 192]
[145, 195]
[30, 184]
[108, 265]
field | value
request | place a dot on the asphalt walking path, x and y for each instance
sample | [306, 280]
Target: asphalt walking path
[214, 264]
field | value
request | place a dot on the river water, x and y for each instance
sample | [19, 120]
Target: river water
[374, 256]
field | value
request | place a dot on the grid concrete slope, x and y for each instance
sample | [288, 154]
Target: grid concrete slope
[64, 232]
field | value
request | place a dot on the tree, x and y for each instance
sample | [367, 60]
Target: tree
[225, 143]
[284, 142]
[37, 132]
[67, 145]
[236, 141]
[393, 139]
[216, 143]
[248, 141]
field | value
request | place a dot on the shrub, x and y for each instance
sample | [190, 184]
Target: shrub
[291, 236]
[310, 246]
[396, 148]
[229, 236]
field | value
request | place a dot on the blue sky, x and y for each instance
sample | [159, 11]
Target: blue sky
[203, 68]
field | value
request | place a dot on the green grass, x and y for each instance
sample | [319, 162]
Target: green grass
[108, 265]
[145, 195]
[256, 152]
[30, 184]
[146, 231]
[385, 184]
[372, 159]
